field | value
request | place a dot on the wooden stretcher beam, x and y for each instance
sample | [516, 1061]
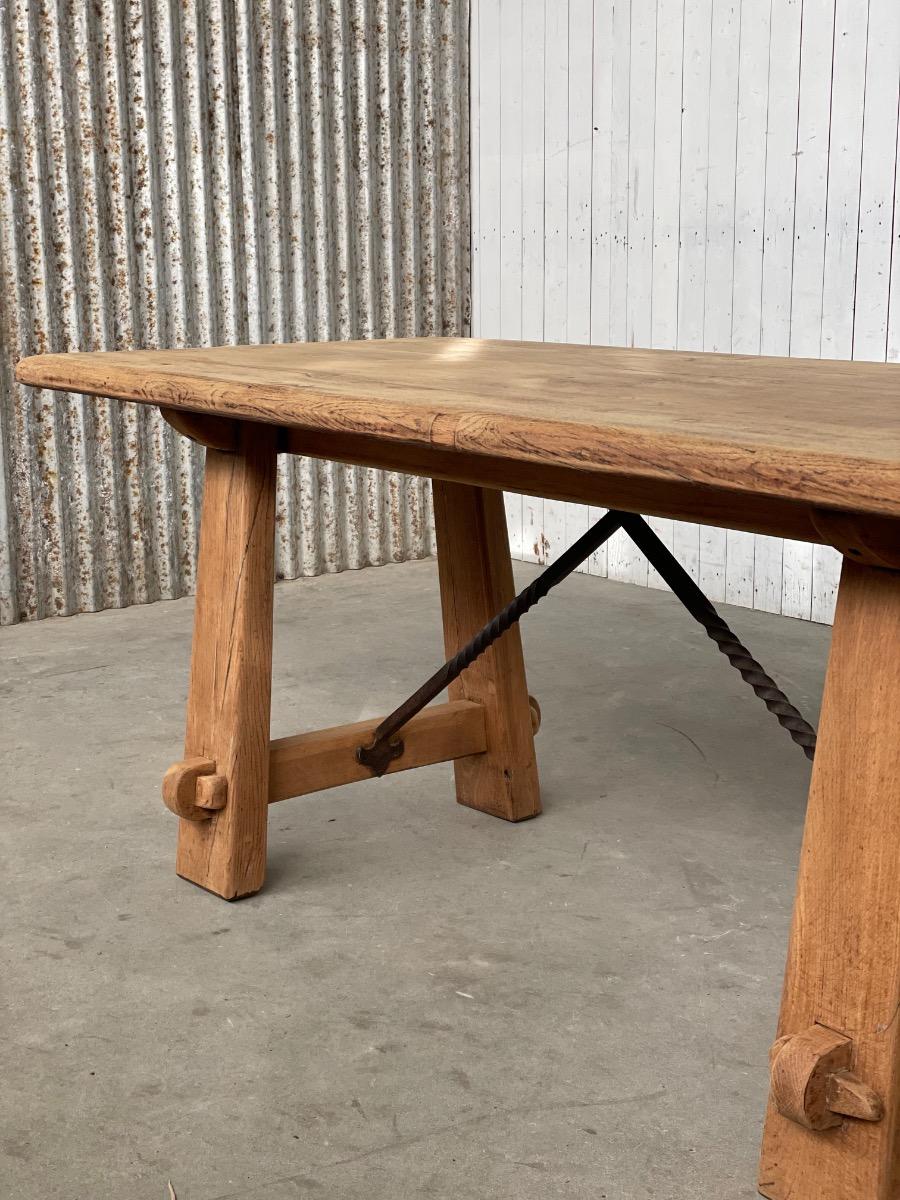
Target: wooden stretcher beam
[326, 758]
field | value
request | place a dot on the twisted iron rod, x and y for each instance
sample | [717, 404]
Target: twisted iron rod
[383, 749]
[693, 599]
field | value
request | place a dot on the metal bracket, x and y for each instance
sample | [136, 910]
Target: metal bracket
[379, 755]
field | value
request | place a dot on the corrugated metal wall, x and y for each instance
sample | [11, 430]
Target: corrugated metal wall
[185, 172]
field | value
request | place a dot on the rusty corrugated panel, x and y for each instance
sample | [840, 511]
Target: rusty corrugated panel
[193, 172]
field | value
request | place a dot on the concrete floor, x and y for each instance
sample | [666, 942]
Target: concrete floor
[424, 1001]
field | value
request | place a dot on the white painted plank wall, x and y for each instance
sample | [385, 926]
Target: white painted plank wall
[701, 174]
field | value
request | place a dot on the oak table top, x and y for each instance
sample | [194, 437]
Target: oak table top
[820, 433]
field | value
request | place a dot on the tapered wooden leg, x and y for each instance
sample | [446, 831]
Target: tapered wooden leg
[843, 970]
[476, 582]
[231, 665]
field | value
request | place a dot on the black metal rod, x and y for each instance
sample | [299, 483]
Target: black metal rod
[693, 599]
[379, 752]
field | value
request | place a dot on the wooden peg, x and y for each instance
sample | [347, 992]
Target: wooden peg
[212, 792]
[846, 1094]
[535, 714]
[191, 789]
[812, 1084]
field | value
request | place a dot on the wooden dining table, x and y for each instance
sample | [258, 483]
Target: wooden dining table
[807, 450]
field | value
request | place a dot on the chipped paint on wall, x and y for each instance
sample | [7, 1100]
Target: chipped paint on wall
[200, 172]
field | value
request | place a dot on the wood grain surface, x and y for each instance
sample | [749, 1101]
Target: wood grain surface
[820, 432]
[326, 758]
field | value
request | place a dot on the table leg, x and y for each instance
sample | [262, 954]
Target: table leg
[476, 582]
[231, 665]
[843, 969]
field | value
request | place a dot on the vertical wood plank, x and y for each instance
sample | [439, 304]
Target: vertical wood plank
[739, 568]
[813, 131]
[601, 183]
[533, 207]
[826, 570]
[667, 173]
[510, 197]
[711, 561]
[722, 176]
[641, 147]
[665, 531]
[781, 177]
[686, 546]
[598, 563]
[554, 530]
[512, 502]
[624, 562]
[534, 543]
[750, 182]
[490, 36]
[579, 174]
[556, 170]
[844, 165]
[877, 183]
[620, 93]
[577, 516]
[768, 554]
[694, 172]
